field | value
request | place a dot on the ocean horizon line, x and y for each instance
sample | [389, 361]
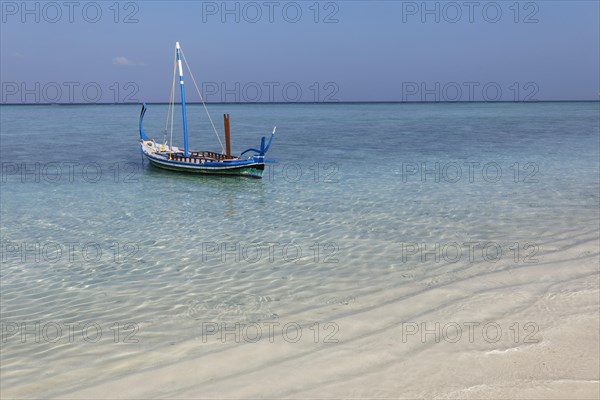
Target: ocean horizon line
[306, 102]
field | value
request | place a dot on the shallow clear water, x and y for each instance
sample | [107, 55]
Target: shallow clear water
[361, 194]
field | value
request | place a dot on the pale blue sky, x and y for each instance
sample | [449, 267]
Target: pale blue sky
[376, 51]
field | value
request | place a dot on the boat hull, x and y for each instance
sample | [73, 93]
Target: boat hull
[254, 170]
[252, 167]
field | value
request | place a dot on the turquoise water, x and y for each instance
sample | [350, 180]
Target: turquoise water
[92, 235]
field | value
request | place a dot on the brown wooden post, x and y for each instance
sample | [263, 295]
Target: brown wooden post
[227, 135]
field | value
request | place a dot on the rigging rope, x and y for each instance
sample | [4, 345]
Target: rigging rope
[170, 109]
[172, 104]
[202, 99]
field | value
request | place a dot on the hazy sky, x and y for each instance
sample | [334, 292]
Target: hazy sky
[71, 51]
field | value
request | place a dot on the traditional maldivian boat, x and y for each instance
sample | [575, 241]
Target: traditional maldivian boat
[170, 157]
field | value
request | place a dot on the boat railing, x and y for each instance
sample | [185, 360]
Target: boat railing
[198, 157]
[208, 154]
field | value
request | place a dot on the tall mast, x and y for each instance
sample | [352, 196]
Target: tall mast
[185, 130]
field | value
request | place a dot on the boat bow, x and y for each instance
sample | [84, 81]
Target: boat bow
[143, 135]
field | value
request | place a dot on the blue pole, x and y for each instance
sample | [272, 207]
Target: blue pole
[185, 130]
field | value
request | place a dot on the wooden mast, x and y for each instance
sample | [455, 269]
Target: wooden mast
[227, 135]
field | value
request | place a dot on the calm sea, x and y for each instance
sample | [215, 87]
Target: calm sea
[107, 260]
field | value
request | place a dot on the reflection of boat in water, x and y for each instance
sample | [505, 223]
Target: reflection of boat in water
[174, 158]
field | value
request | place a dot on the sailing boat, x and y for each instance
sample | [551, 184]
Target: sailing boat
[170, 157]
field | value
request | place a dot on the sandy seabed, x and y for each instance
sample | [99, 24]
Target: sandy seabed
[530, 332]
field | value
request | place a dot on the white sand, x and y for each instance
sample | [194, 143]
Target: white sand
[559, 296]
